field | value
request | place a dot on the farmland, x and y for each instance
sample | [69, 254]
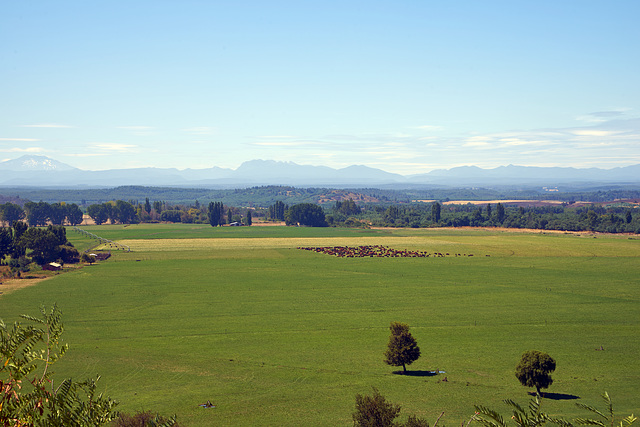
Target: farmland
[274, 335]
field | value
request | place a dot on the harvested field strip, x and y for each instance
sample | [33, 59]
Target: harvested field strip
[248, 243]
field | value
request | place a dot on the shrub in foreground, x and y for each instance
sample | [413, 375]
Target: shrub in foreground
[144, 419]
[375, 411]
[28, 394]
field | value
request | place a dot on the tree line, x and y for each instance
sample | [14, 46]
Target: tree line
[41, 213]
[600, 218]
[216, 213]
[265, 196]
[613, 218]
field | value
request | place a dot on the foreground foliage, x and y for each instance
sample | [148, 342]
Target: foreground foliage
[534, 416]
[375, 411]
[604, 420]
[28, 394]
[144, 419]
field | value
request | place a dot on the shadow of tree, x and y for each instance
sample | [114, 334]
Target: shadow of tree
[556, 396]
[415, 373]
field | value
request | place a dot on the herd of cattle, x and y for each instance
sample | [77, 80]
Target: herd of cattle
[375, 251]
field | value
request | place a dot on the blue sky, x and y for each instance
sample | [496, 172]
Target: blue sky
[404, 86]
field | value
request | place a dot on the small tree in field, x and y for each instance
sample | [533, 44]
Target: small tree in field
[534, 369]
[402, 349]
[87, 258]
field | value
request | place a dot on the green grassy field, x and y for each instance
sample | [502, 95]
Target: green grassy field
[273, 335]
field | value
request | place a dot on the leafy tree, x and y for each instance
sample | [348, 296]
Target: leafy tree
[68, 254]
[348, 207]
[592, 219]
[170, 216]
[534, 369]
[277, 210]
[111, 212]
[124, 212]
[249, 219]
[435, 212]
[500, 213]
[19, 228]
[392, 213]
[61, 234]
[37, 213]
[375, 411]
[99, 213]
[10, 212]
[19, 264]
[216, 210]
[87, 258]
[69, 403]
[308, 214]
[6, 242]
[147, 205]
[43, 244]
[57, 213]
[157, 206]
[402, 349]
[229, 216]
[74, 214]
[48, 244]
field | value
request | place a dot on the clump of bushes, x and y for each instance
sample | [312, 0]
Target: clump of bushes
[144, 419]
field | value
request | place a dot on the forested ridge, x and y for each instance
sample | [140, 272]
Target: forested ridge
[266, 196]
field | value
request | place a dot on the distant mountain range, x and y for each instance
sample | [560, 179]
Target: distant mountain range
[41, 171]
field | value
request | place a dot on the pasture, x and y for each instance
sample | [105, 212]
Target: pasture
[273, 335]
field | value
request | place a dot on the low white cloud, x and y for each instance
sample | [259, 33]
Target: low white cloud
[24, 150]
[479, 142]
[139, 130]
[19, 139]
[136, 127]
[287, 141]
[276, 144]
[602, 116]
[277, 136]
[429, 127]
[520, 142]
[120, 148]
[48, 125]
[593, 132]
[200, 130]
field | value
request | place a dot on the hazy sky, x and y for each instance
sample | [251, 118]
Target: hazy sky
[404, 86]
